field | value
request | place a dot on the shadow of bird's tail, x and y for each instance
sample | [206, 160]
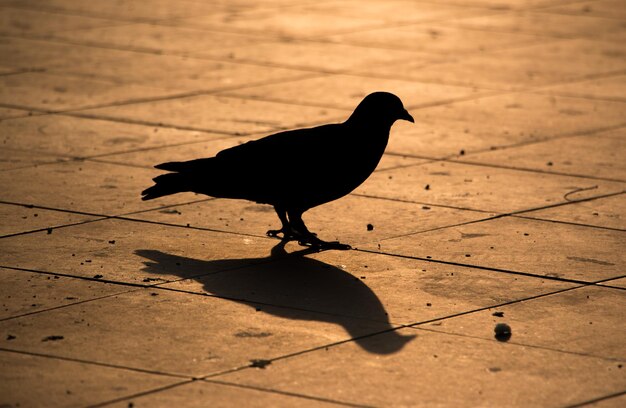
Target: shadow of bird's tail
[166, 184]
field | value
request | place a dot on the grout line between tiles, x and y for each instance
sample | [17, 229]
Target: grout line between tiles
[96, 363]
[313, 349]
[290, 394]
[598, 399]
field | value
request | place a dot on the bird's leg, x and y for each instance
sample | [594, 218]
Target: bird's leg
[307, 238]
[286, 230]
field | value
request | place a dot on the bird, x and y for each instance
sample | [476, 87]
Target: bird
[293, 170]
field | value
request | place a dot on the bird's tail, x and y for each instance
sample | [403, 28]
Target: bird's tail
[166, 184]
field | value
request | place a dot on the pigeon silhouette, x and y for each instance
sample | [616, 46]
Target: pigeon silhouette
[293, 170]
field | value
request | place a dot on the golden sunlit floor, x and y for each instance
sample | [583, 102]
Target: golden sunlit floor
[488, 262]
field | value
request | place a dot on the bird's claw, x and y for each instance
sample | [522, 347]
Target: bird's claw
[323, 245]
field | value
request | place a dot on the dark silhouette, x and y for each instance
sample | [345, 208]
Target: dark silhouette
[294, 170]
[290, 286]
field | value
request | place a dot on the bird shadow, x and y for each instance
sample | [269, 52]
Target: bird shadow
[291, 286]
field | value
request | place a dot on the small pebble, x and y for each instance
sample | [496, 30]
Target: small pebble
[502, 332]
[370, 227]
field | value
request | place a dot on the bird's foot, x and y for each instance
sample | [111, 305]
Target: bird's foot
[287, 234]
[314, 242]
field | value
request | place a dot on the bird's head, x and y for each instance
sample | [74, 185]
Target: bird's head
[382, 108]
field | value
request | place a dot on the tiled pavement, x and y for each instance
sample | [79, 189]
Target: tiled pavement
[520, 136]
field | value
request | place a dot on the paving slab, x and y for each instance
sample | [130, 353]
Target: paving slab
[345, 220]
[130, 67]
[620, 283]
[110, 250]
[441, 370]
[346, 91]
[143, 331]
[223, 114]
[604, 212]
[157, 38]
[20, 22]
[389, 11]
[221, 395]
[587, 321]
[521, 245]
[119, 9]
[67, 383]
[610, 88]
[500, 120]
[436, 38]
[546, 24]
[519, 68]
[17, 219]
[291, 22]
[35, 90]
[84, 186]
[612, 9]
[8, 113]
[15, 159]
[83, 137]
[588, 155]
[24, 293]
[482, 188]
[500, 5]
[360, 285]
[316, 56]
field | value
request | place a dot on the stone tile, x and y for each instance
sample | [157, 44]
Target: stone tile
[620, 283]
[613, 9]
[436, 38]
[138, 327]
[318, 56]
[440, 370]
[17, 22]
[291, 22]
[123, 10]
[611, 88]
[392, 11]
[33, 381]
[545, 24]
[8, 113]
[591, 155]
[345, 219]
[569, 321]
[346, 91]
[146, 69]
[610, 402]
[157, 38]
[188, 151]
[502, 5]
[500, 120]
[27, 292]
[519, 68]
[223, 114]
[16, 219]
[220, 395]
[14, 159]
[99, 188]
[56, 92]
[84, 137]
[604, 212]
[359, 285]
[112, 249]
[481, 188]
[521, 245]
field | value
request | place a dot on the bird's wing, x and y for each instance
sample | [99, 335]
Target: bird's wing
[285, 148]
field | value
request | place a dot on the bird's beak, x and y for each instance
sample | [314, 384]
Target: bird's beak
[406, 116]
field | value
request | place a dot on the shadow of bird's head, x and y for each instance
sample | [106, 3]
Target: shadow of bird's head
[382, 108]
